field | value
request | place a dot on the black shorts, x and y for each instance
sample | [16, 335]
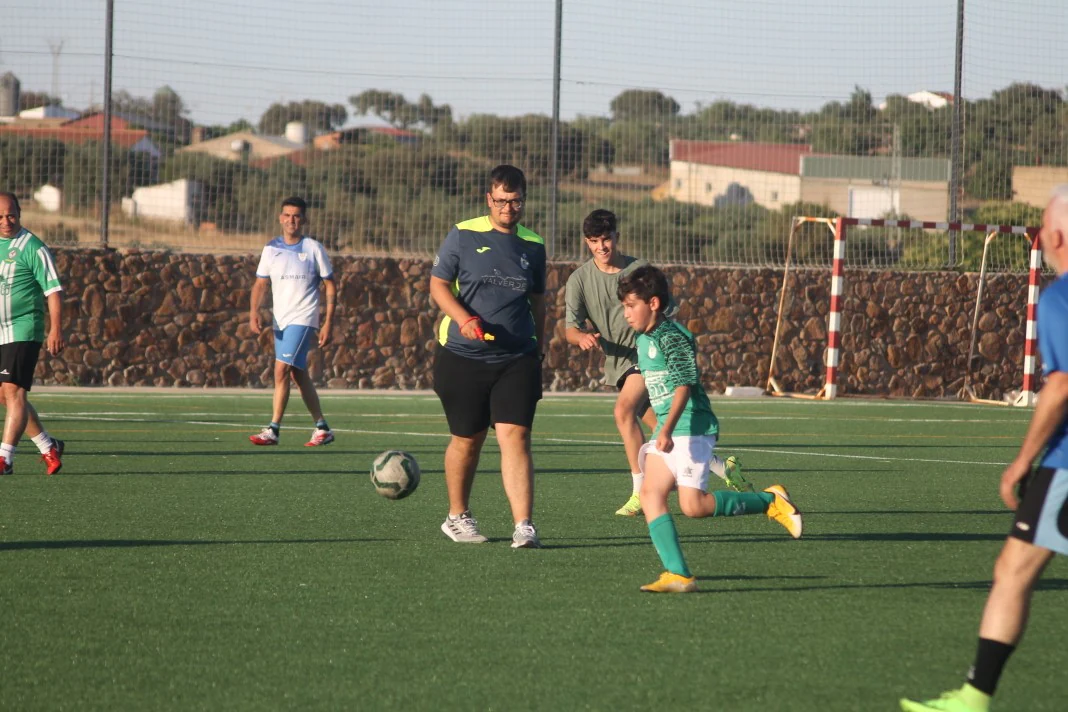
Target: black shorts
[1042, 515]
[476, 394]
[18, 361]
[645, 404]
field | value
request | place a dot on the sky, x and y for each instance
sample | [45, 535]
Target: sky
[232, 59]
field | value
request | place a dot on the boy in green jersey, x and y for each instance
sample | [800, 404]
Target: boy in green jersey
[590, 297]
[28, 279]
[682, 449]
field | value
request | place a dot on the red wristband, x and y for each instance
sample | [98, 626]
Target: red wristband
[469, 320]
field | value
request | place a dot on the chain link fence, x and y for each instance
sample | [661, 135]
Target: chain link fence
[706, 127]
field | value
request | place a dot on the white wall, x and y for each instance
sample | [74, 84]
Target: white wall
[175, 202]
[702, 184]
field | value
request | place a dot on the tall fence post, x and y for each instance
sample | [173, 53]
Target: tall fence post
[105, 150]
[555, 133]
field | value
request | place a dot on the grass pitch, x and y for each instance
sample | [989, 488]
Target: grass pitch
[174, 566]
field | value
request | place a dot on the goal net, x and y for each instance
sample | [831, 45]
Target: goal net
[878, 332]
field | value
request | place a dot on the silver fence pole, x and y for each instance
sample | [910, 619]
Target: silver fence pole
[105, 150]
[555, 133]
[956, 138]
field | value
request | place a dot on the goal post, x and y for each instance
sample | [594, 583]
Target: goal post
[838, 227]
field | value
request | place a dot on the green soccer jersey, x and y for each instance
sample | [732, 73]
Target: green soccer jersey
[667, 357]
[27, 276]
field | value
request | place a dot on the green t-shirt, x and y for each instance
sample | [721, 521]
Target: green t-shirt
[27, 276]
[590, 294]
[667, 356]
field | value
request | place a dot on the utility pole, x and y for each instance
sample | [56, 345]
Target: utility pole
[57, 49]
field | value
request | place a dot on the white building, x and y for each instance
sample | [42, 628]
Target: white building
[176, 201]
[49, 112]
[49, 198]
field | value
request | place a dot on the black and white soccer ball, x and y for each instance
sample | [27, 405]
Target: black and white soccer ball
[395, 474]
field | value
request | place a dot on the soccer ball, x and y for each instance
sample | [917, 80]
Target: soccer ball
[395, 474]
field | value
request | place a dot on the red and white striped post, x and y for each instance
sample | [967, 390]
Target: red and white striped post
[1027, 393]
[834, 320]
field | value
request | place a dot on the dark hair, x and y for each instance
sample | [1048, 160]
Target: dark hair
[600, 223]
[645, 283]
[295, 202]
[508, 177]
[14, 200]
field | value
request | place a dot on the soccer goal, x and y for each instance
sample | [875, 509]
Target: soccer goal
[837, 231]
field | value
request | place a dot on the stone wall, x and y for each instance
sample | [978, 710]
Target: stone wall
[166, 319]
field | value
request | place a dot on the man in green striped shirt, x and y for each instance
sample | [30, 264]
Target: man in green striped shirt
[28, 278]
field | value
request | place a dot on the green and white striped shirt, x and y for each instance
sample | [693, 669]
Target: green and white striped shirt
[667, 357]
[27, 275]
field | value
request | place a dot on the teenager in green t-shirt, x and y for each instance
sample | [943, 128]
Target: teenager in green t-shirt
[682, 451]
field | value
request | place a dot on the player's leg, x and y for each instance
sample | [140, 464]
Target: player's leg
[656, 486]
[632, 398]
[14, 422]
[51, 449]
[461, 386]
[513, 401]
[18, 360]
[1035, 537]
[321, 435]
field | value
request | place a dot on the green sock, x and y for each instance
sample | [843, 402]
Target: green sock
[666, 540]
[732, 504]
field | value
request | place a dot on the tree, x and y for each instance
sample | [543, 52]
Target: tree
[316, 115]
[34, 99]
[643, 104]
[397, 111]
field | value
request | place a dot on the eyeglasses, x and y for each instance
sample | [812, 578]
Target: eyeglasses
[516, 203]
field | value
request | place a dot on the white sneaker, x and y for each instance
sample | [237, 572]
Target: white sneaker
[320, 437]
[463, 529]
[525, 536]
[264, 437]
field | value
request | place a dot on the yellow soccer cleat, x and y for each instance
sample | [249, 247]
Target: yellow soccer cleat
[783, 511]
[672, 583]
[632, 508]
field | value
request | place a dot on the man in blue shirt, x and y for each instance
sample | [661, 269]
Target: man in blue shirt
[1040, 529]
[489, 280]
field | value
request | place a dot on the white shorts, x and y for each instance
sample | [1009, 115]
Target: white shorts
[688, 461]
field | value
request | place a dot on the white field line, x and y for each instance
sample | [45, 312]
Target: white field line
[573, 441]
[731, 418]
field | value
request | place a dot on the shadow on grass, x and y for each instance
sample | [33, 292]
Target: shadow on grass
[135, 543]
[984, 585]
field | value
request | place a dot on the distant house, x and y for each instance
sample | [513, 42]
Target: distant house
[1032, 184]
[51, 111]
[82, 130]
[253, 147]
[363, 134]
[930, 99]
[736, 172]
[721, 174]
[176, 201]
[874, 186]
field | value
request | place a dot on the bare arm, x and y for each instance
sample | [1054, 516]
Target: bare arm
[259, 289]
[585, 340]
[441, 293]
[55, 342]
[328, 318]
[1049, 414]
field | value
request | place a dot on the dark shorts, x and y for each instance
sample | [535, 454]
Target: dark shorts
[645, 404]
[476, 394]
[18, 361]
[1042, 515]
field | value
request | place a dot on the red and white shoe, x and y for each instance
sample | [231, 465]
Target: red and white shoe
[320, 437]
[51, 460]
[264, 437]
[9, 467]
